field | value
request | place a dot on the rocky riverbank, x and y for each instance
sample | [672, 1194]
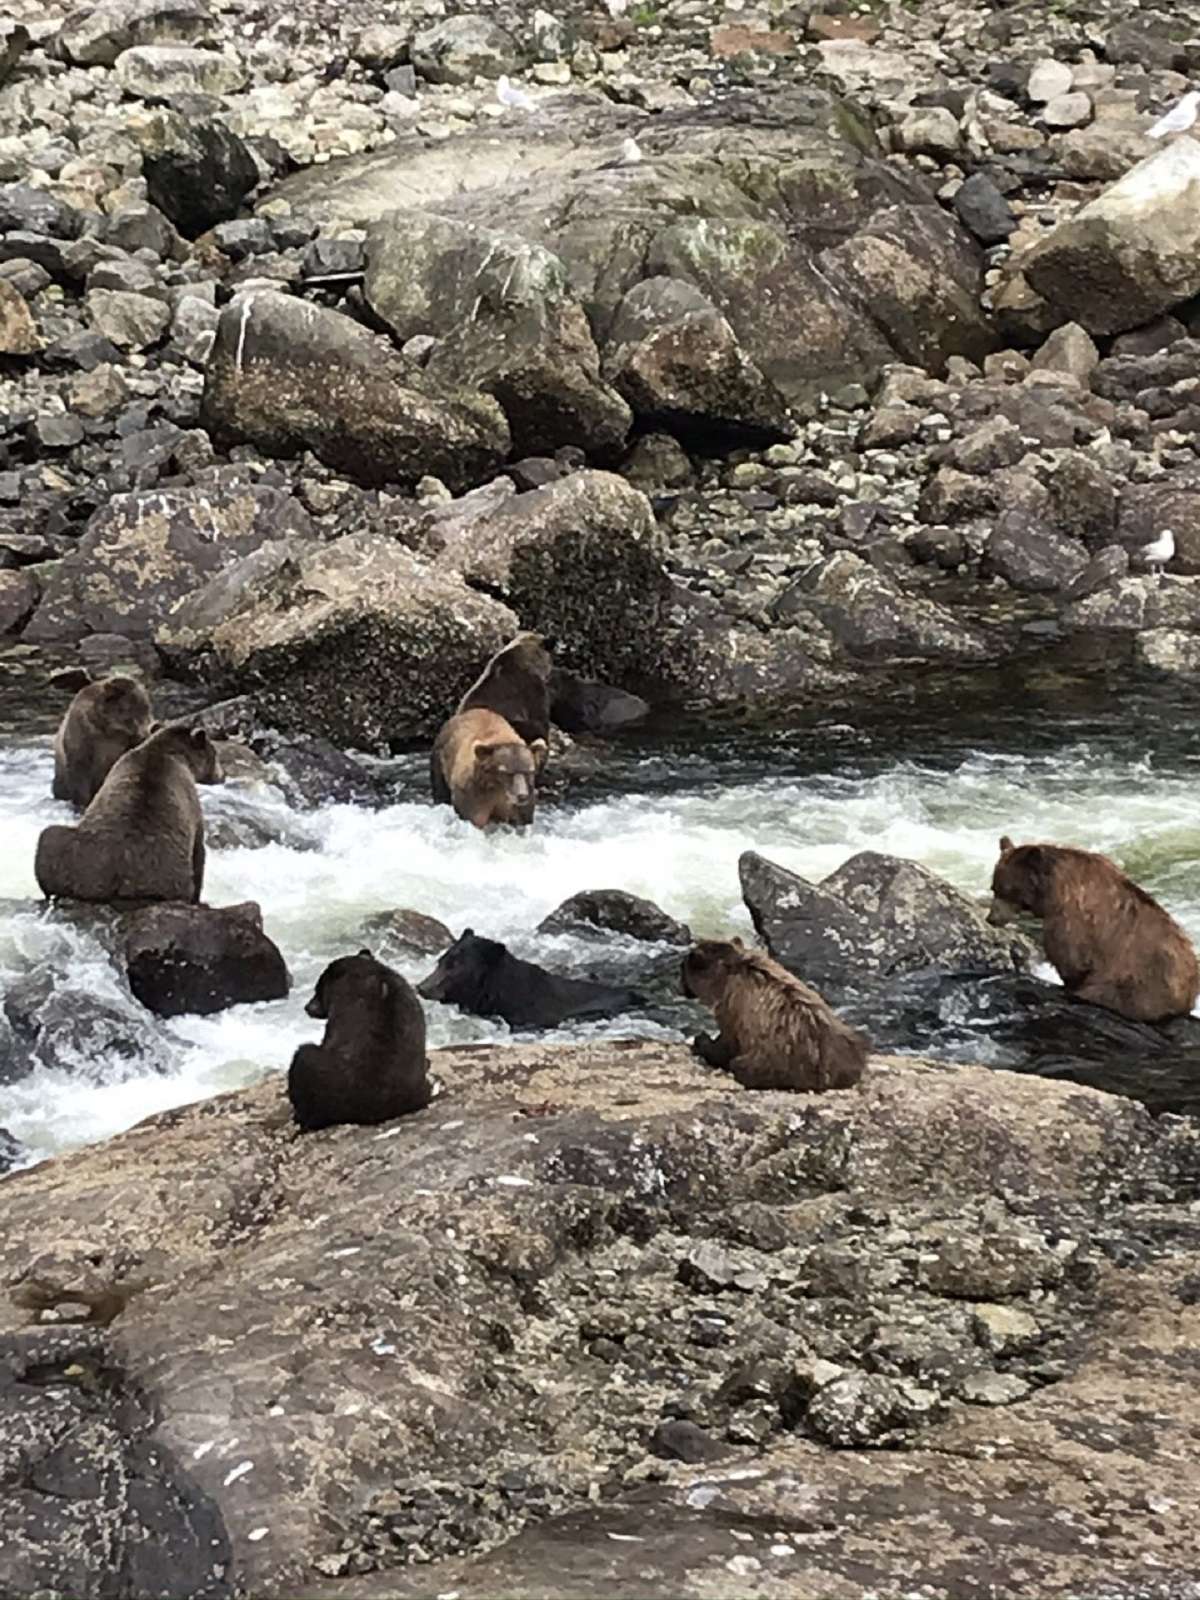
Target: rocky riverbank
[594, 1322]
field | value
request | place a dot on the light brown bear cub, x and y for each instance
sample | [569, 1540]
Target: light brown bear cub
[142, 837]
[103, 721]
[775, 1032]
[486, 769]
[1111, 944]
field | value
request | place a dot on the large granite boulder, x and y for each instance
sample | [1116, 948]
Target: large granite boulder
[396, 1362]
[287, 376]
[876, 916]
[358, 641]
[142, 553]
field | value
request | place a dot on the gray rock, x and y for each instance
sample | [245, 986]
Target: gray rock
[1048, 80]
[506, 322]
[859, 1411]
[983, 210]
[615, 911]
[458, 49]
[95, 37]
[876, 915]
[1031, 556]
[195, 960]
[1134, 604]
[141, 553]
[164, 71]
[874, 620]
[1106, 567]
[409, 930]
[357, 641]
[1068, 349]
[130, 321]
[1147, 509]
[1068, 110]
[929, 131]
[1083, 500]
[19, 594]
[381, 419]
[1166, 650]
[19, 334]
[24, 209]
[197, 171]
[73, 1030]
[12, 1151]
[994, 444]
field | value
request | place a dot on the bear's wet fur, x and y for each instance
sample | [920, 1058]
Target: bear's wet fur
[1111, 943]
[483, 976]
[515, 684]
[104, 721]
[775, 1032]
[371, 1064]
[485, 770]
[142, 837]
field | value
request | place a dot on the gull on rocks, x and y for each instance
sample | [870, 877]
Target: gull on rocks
[1180, 118]
[509, 95]
[617, 8]
[631, 153]
[1160, 551]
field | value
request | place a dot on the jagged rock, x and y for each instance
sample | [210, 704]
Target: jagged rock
[358, 641]
[95, 37]
[1069, 349]
[25, 209]
[1130, 254]
[1135, 604]
[19, 594]
[862, 1409]
[132, 321]
[614, 911]
[162, 71]
[1147, 509]
[141, 553]
[18, 331]
[381, 419]
[875, 915]
[459, 49]
[199, 959]
[197, 171]
[1023, 550]
[505, 322]
[873, 619]
[983, 210]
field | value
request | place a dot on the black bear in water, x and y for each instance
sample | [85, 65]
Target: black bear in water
[142, 837]
[487, 772]
[103, 721]
[371, 1064]
[776, 1032]
[482, 976]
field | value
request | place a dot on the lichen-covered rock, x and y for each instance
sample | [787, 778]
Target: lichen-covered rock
[141, 553]
[358, 641]
[200, 959]
[878, 915]
[872, 618]
[287, 375]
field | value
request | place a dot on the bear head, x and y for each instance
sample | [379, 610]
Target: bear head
[511, 768]
[123, 704]
[463, 975]
[707, 968]
[349, 978]
[1020, 881]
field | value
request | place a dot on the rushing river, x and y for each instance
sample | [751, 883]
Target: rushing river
[665, 822]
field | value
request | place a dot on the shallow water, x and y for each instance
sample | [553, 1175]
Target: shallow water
[665, 821]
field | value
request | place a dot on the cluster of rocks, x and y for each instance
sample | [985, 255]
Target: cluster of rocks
[824, 320]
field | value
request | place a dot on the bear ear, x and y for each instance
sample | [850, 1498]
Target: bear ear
[199, 737]
[1006, 845]
[484, 751]
[467, 933]
[737, 943]
[367, 954]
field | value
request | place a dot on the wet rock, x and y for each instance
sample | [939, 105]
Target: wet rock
[142, 553]
[877, 915]
[78, 1031]
[459, 49]
[322, 652]
[614, 911]
[184, 960]
[506, 323]
[382, 420]
[412, 930]
[96, 36]
[197, 171]
[164, 71]
[874, 620]
[584, 705]
[18, 331]
[1130, 254]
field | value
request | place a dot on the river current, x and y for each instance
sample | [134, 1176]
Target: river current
[661, 819]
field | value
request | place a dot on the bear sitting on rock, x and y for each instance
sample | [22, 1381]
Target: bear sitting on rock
[775, 1032]
[103, 721]
[1111, 943]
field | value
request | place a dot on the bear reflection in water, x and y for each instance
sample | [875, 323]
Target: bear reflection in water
[1110, 942]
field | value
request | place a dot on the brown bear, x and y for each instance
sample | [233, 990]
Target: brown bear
[482, 766]
[103, 721]
[142, 837]
[1111, 944]
[371, 1064]
[776, 1032]
[515, 684]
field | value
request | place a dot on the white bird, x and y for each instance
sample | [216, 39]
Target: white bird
[509, 95]
[617, 8]
[631, 153]
[1180, 118]
[1160, 552]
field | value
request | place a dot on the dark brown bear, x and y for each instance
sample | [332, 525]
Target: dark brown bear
[142, 837]
[1111, 944]
[515, 684]
[485, 770]
[776, 1032]
[103, 721]
[370, 1066]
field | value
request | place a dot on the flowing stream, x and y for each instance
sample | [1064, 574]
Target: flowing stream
[665, 820]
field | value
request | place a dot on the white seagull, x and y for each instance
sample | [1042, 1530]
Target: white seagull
[631, 153]
[1180, 118]
[509, 95]
[1160, 552]
[617, 8]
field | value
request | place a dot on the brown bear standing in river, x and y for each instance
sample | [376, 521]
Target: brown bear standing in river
[776, 1032]
[1111, 943]
[142, 837]
[103, 721]
[487, 772]
[371, 1065]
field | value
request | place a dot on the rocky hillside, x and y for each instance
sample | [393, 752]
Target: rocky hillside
[857, 341]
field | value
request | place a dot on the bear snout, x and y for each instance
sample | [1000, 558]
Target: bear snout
[314, 1008]
[1002, 912]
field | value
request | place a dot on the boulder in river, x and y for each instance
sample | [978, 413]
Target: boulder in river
[615, 911]
[570, 1208]
[195, 960]
[69, 1028]
[381, 418]
[875, 916]
[11, 1151]
[357, 641]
